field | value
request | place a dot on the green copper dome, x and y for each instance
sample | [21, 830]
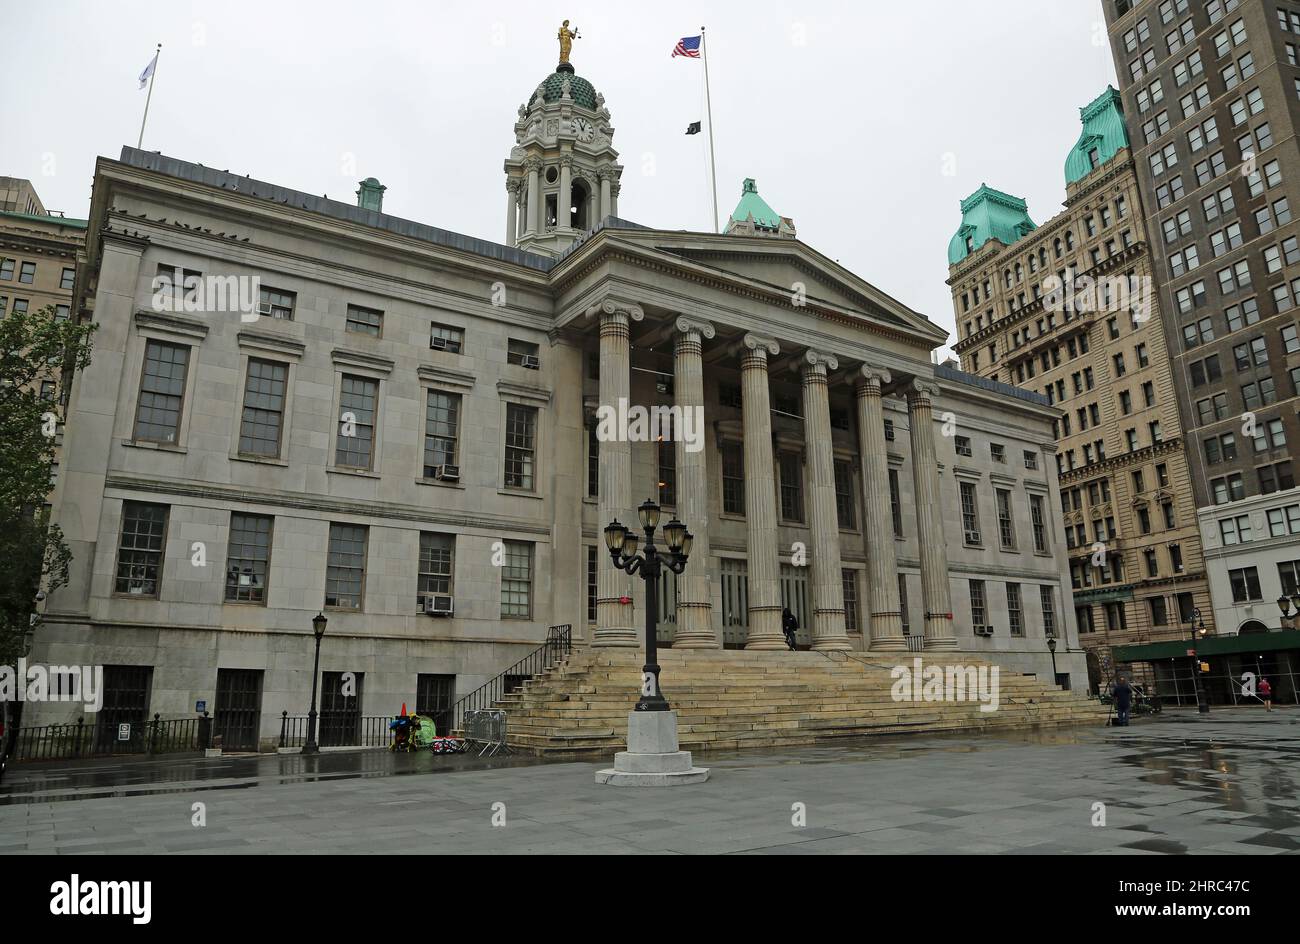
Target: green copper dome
[582, 91]
[1103, 134]
[988, 214]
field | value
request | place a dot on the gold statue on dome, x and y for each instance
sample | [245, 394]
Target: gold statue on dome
[566, 37]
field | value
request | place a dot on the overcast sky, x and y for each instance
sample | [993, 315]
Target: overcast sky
[866, 122]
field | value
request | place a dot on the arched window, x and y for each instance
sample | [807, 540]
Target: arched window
[580, 204]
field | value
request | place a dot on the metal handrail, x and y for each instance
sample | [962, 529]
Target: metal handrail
[558, 645]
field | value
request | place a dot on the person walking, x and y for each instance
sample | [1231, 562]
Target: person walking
[1266, 693]
[789, 626]
[1123, 694]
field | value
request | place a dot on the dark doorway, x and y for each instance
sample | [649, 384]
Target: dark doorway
[238, 708]
[340, 703]
[126, 701]
[434, 696]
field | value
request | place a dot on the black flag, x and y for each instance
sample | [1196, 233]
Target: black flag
[693, 128]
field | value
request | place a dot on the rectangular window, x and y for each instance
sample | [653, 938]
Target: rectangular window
[666, 448]
[365, 321]
[978, 607]
[67, 278]
[592, 594]
[441, 431]
[345, 571]
[1006, 522]
[517, 581]
[902, 604]
[1049, 610]
[262, 421]
[895, 503]
[733, 479]
[437, 563]
[791, 466]
[523, 354]
[845, 507]
[140, 547]
[1015, 615]
[970, 513]
[521, 446]
[962, 445]
[1038, 520]
[849, 579]
[162, 392]
[446, 338]
[248, 558]
[27, 273]
[1245, 585]
[276, 304]
[358, 405]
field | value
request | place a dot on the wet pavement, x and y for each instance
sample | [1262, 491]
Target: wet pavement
[1179, 783]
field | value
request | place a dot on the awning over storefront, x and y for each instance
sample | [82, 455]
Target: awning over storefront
[1211, 646]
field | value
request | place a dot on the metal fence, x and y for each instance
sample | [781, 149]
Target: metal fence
[362, 731]
[559, 643]
[79, 739]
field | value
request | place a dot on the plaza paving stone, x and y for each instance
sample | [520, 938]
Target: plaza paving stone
[1175, 784]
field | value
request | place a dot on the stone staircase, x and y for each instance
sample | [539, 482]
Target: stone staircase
[729, 699]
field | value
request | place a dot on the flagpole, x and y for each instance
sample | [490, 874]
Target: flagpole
[708, 106]
[152, 75]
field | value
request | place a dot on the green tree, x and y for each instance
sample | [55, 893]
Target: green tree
[37, 351]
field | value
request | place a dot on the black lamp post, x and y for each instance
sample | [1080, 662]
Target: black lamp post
[318, 623]
[622, 545]
[1198, 629]
[1051, 647]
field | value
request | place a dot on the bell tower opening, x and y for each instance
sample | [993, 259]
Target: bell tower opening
[578, 201]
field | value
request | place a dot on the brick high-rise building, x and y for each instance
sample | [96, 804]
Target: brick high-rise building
[1099, 355]
[1213, 92]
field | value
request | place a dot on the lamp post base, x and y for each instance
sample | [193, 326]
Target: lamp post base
[652, 758]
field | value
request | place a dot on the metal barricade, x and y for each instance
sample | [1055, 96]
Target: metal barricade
[486, 726]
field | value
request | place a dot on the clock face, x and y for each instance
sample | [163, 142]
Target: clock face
[584, 130]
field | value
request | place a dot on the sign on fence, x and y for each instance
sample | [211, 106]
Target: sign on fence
[486, 726]
[124, 732]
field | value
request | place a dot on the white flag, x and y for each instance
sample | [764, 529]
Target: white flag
[148, 71]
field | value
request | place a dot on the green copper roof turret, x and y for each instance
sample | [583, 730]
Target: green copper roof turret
[1104, 133]
[751, 204]
[988, 214]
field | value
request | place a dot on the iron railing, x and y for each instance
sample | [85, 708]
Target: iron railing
[558, 645]
[367, 731]
[79, 739]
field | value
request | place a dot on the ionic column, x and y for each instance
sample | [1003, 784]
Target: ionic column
[760, 497]
[533, 222]
[512, 210]
[827, 580]
[882, 562]
[614, 620]
[929, 518]
[564, 199]
[605, 205]
[695, 629]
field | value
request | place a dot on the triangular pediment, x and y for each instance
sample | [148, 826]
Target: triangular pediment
[782, 265]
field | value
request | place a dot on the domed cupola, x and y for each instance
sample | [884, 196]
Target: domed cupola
[562, 176]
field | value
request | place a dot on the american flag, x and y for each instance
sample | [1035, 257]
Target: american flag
[687, 46]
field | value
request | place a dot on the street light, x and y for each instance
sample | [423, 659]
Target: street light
[622, 545]
[1197, 626]
[318, 623]
[1051, 647]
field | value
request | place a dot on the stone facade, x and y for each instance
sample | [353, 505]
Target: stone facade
[368, 322]
[1120, 458]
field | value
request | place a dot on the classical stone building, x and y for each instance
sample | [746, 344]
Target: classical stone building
[1068, 308]
[402, 430]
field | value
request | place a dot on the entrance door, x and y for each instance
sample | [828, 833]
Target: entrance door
[126, 701]
[666, 628]
[735, 603]
[238, 708]
[340, 708]
[794, 594]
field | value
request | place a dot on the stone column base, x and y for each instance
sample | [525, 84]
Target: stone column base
[652, 758]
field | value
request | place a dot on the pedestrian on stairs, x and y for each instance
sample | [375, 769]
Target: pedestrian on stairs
[789, 626]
